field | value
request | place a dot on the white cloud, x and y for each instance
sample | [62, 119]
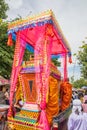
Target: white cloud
[14, 4]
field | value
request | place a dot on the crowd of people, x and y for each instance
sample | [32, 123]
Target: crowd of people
[78, 118]
[6, 98]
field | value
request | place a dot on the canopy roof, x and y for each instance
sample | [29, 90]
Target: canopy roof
[32, 27]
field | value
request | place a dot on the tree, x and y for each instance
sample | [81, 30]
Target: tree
[3, 8]
[6, 52]
[79, 83]
[82, 59]
[56, 62]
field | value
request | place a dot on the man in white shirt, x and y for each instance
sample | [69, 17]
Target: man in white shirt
[77, 119]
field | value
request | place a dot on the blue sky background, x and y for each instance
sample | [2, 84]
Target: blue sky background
[73, 70]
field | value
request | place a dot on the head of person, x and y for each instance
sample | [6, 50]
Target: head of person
[77, 106]
[80, 95]
[85, 99]
[6, 89]
[85, 102]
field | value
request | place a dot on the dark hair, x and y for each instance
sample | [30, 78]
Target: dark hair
[80, 95]
[6, 89]
[85, 102]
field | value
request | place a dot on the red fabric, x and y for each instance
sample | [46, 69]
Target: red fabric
[55, 128]
[31, 35]
[70, 60]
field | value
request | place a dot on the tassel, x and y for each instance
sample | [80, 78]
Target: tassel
[43, 120]
[9, 112]
[10, 42]
[12, 111]
[70, 60]
[49, 30]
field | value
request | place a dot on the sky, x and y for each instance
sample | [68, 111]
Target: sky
[70, 14]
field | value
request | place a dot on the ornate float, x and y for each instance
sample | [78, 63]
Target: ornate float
[36, 82]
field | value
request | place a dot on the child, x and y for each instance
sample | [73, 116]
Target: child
[6, 97]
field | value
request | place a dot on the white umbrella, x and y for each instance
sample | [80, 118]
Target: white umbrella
[84, 87]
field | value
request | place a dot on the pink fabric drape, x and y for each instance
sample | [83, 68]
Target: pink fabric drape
[18, 56]
[42, 61]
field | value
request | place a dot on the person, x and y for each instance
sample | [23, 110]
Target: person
[6, 97]
[80, 96]
[84, 98]
[77, 119]
[2, 112]
[76, 95]
[55, 126]
[84, 104]
[65, 94]
[18, 105]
